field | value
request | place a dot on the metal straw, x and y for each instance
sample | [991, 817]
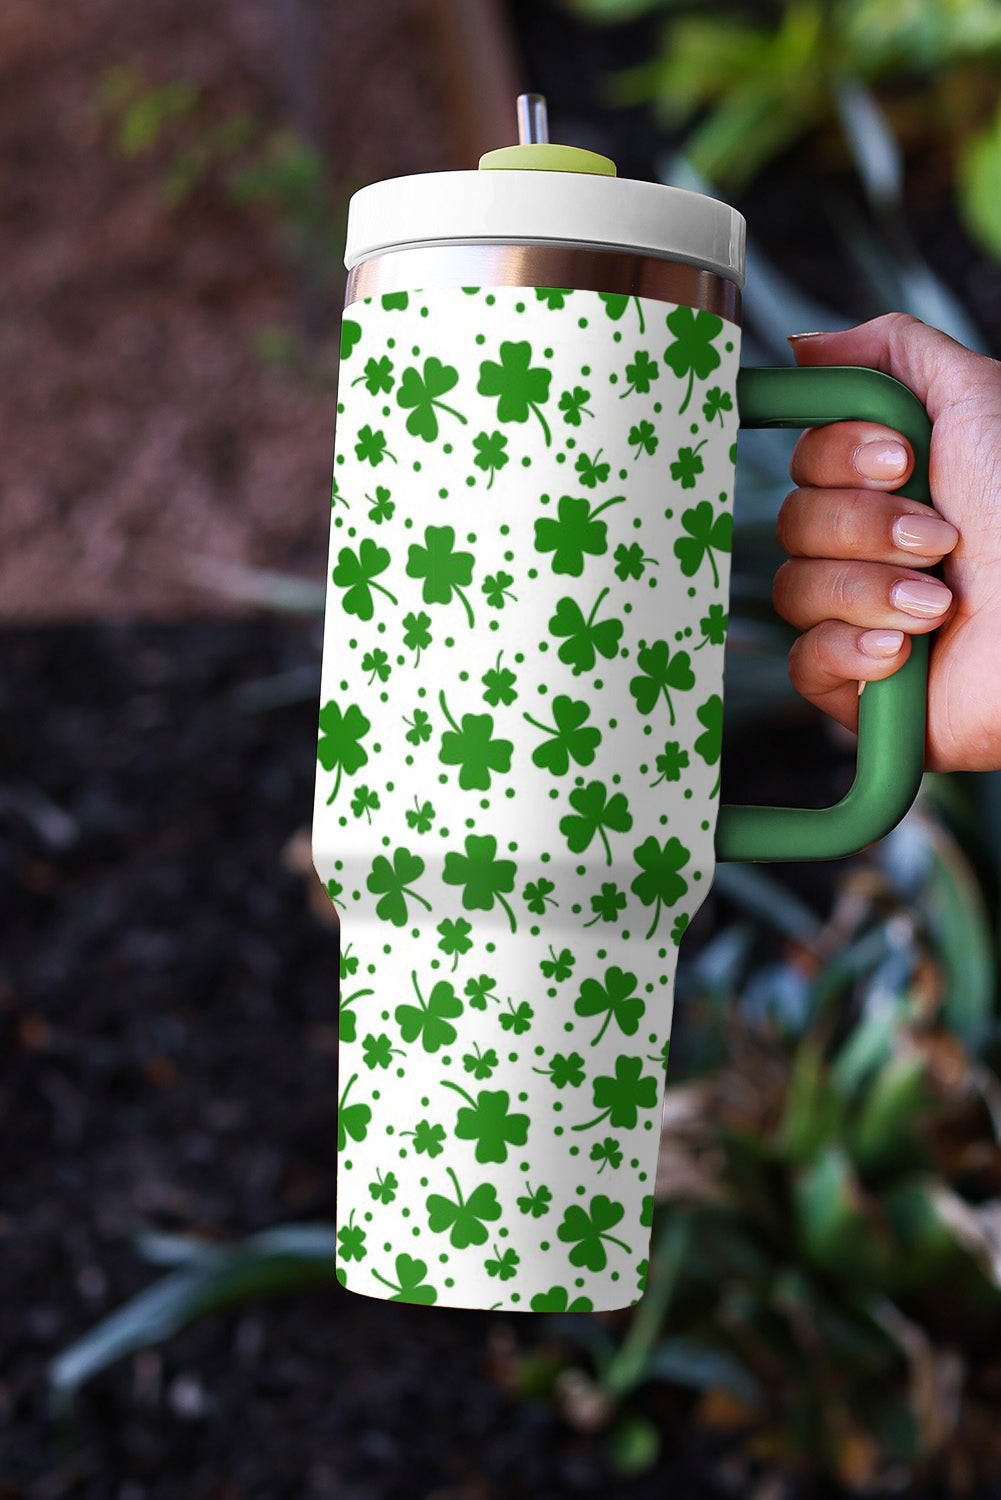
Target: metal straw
[533, 120]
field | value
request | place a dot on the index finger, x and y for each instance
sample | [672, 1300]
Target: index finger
[848, 455]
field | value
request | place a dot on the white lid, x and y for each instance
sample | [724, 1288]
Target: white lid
[533, 207]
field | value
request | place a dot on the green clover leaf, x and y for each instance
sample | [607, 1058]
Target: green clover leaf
[709, 744]
[356, 572]
[615, 1000]
[505, 1266]
[431, 1020]
[443, 570]
[595, 811]
[499, 683]
[383, 1189]
[608, 1153]
[378, 375]
[659, 673]
[365, 802]
[705, 535]
[350, 334]
[392, 882]
[491, 457]
[616, 304]
[630, 561]
[339, 743]
[395, 301]
[376, 662]
[488, 1123]
[591, 472]
[455, 938]
[692, 351]
[382, 506]
[564, 1070]
[347, 1020]
[349, 960]
[480, 1064]
[420, 394]
[417, 635]
[678, 929]
[572, 403]
[557, 1300]
[716, 403]
[537, 1203]
[640, 374]
[587, 1231]
[464, 1217]
[351, 1241]
[567, 739]
[519, 1020]
[371, 446]
[607, 904]
[584, 638]
[643, 438]
[497, 587]
[410, 1285]
[420, 727]
[554, 297]
[481, 874]
[671, 763]
[538, 894]
[352, 1119]
[576, 531]
[480, 991]
[687, 465]
[558, 966]
[427, 1138]
[713, 627]
[519, 387]
[336, 498]
[420, 816]
[622, 1096]
[660, 884]
[473, 749]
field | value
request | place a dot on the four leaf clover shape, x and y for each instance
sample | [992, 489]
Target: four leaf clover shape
[575, 531]
[473, 749]
[620, 1096]
[520, 387]
[487, 1121]
[340, 741]
[490, 455]
[688, 465]
[640, 374]
[660, 883]
[484, 878]
[691, 353]
[443, 570]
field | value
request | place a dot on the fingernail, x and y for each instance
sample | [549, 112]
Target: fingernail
[881, 459]
[880, 643]
[816, 333]
[923, 597]
[924, 532]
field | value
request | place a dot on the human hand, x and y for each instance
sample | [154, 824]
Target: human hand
[851, 584]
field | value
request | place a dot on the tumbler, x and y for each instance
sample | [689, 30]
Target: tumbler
[518, 761]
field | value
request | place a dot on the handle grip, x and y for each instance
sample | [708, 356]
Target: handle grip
[892, 713]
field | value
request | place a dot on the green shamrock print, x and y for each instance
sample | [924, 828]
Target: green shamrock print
[473, 749]
[487, 1122]
[643, 437]
[511, 639]
[567, 739]
[564, 1071]
[410, 1285]
[620, 1096]
[706, 534]
[537, 1203]
[608, 1153]
[465, 1218]
[378, 376]
[443, 570]
[614, 999]
[588, 1231]
[616, 304]
[455, 939]
[484, 878]
[490, 455]
[364, 802]
[671, 763]
[659, 673]
[660, 884]
[520, 387]
[576, 531]
[640, 374]
[557, 1300]
[352, 1119]
[382, 506]
[372, 447]
[430, 1020]
[421, 395]
[688, 465]
[607, 904]
[339, 743]
[585, 639]
[384, 1189]
[392, 883]
[573, 403]
[691, 353]
[497, 588]
[713, 627]
[555, 298]
[594, 812]
[350, 334]
[351, 1241]
[591, 472]
[500, 684]
[716, 403]
[356, 573]
[538, 895]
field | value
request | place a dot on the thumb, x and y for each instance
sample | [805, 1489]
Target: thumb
[940, 371]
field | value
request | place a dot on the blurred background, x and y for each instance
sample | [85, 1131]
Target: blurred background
[823, 1315]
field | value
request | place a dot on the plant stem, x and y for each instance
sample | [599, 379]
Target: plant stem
[626, 1367]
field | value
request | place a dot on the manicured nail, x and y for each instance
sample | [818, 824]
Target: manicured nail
[880, 643]
[924, 532]
[923, 597]
[881, 459]
[816, 333]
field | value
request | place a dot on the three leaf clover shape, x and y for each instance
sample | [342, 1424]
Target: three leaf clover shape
[421, 394]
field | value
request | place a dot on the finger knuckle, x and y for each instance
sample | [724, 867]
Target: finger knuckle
[788, 522]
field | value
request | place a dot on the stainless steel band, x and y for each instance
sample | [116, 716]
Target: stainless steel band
[574, 266]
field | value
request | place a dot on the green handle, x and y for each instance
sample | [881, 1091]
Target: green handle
[891, 733]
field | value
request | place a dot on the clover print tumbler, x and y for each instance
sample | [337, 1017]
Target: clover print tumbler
[521, 710]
